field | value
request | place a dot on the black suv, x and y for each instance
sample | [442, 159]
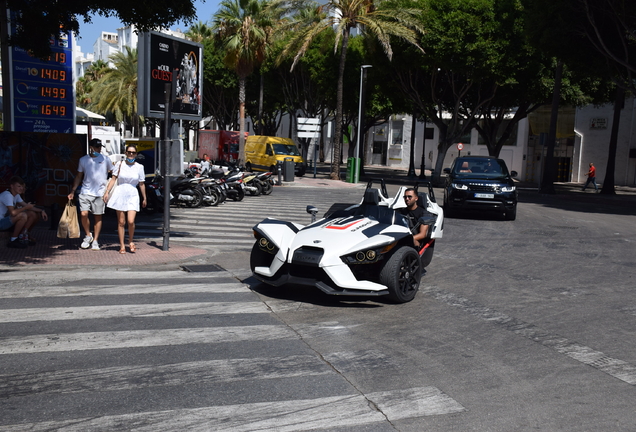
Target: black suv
[480, 183]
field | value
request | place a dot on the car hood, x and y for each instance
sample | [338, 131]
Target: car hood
[344, 235]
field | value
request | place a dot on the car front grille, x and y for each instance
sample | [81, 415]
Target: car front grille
[479, 187]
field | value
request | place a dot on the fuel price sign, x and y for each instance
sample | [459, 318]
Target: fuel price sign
[43, 96]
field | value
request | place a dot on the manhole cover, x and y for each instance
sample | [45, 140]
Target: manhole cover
[203, 268]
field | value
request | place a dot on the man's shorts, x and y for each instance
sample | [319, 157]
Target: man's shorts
[90, 203]
[5, 223]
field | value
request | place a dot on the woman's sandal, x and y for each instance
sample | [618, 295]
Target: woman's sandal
[122, 250]
[133, 248]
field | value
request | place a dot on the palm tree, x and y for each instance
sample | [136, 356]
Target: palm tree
[116, 91]
[85, 84]
[199, 32]
[378, 18]
[244, 29]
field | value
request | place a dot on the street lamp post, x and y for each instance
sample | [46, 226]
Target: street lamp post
[363, 69]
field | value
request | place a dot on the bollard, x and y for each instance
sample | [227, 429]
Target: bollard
[279, 170]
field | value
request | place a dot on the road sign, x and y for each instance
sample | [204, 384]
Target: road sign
[308, 127]
[460, 146]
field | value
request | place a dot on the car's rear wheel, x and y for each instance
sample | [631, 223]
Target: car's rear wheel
[402, 274]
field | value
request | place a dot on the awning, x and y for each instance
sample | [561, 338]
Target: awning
[84, 113]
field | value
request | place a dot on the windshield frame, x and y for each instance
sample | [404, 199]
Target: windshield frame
[289, 149]
[478, 168]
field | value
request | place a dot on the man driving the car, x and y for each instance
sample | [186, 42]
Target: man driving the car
[413, 213]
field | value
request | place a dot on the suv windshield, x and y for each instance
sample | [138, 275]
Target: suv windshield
[286, 149]
[480, 168]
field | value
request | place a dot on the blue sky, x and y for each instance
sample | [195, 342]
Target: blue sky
[90, 32]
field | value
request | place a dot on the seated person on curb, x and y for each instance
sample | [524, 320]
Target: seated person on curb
[413, 213]
[14, 212]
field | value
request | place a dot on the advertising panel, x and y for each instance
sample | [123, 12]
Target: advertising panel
[46, 162]
[166, 59]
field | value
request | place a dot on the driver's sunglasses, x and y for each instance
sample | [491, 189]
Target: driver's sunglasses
[408, 197]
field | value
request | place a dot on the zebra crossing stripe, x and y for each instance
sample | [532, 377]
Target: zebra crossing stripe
[246, 241]
[141, 338]
[123, 378]
[282, 416]
[121, 288]
[130, 311]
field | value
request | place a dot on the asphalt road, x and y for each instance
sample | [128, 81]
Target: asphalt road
[519, 326]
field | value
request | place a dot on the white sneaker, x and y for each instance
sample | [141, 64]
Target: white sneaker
[86, 243]
[95, 246]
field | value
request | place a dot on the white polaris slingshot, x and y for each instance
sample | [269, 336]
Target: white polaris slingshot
[364, 249]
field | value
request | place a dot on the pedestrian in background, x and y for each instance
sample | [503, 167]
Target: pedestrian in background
[16, 213]
[591, 177]
[127, 175]
[92, 173]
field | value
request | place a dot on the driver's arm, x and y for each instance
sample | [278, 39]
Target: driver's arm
[421, 235]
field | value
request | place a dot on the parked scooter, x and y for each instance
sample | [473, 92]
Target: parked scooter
[214, 191]
[183, 191]
[252, 184]
[267, 182]
[235, 190]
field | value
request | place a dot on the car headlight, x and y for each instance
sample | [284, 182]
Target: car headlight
[508, 188]
[265, 244]
[460, 186]
[368, 256]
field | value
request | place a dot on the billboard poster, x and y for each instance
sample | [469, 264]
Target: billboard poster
[167, 59]
[43, 96]
[46, 162]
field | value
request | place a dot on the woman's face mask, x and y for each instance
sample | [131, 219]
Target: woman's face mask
[130, 160]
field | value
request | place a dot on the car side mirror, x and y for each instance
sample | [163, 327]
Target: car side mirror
[446, 170]
[513, 174]
[313, 211]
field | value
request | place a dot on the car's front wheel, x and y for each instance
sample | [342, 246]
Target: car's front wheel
[402, 274]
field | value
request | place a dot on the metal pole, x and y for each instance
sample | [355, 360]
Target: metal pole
[360, 119]
[165, 153]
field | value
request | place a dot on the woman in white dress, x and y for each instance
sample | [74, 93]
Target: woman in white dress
[125, 198]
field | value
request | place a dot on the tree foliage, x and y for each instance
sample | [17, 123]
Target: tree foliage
[244, 29]
[85, 84]
[116, 91]
[36, 21]
[381, 20]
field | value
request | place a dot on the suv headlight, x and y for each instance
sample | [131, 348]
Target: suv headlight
[459, 186]
[508, 188]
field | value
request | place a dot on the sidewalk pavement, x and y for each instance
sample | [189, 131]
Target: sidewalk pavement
[51, 252]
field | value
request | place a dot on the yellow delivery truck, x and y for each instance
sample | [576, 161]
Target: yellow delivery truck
[262, 153]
